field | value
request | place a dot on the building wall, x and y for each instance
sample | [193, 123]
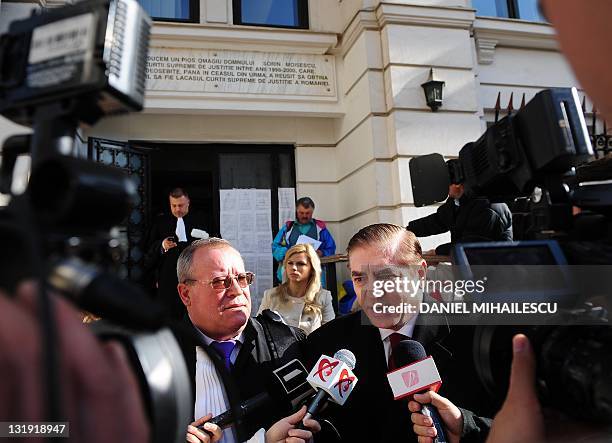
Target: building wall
[353, 149]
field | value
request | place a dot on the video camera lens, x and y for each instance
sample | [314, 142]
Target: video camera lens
[158, 363]
[573, 361]
[84, 194]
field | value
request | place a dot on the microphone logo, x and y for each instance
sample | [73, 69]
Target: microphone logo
[410, 378]
[344, 382]
[326, 368]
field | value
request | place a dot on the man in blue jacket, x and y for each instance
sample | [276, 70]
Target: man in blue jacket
[304, 224]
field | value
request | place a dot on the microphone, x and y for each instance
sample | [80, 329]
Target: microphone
[417, 373]
[198, 233]
[287, 386]
[228, 418]
[333, 379]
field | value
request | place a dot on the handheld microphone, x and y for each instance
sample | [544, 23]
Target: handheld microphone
[229, 417]
[287, 386]
[333, 379]
[417, 374]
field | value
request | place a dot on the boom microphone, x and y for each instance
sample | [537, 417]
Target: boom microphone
[417, 374]
[287, 386]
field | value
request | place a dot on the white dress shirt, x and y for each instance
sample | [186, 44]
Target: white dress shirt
[407, 330]
[210, 397]
[181, 234]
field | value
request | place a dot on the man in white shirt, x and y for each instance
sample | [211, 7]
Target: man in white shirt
[232, 357]
[169, 234]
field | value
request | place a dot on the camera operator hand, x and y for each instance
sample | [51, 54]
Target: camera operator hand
[168, 244]
[99, 397]
[520, 419]
[449, 413]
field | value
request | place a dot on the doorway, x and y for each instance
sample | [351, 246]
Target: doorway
[203, 170]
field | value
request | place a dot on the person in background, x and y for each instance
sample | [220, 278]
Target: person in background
[300, 300]
[468, 218]
[304, 224]
[168, 236]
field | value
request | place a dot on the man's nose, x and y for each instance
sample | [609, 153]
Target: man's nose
[234, 290]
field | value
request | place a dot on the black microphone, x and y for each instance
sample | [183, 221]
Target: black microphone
[410, 351]
[287, 386]
[229, 417]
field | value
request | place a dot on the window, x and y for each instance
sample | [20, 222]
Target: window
[521, 9]
[172, 10]
[277, 13]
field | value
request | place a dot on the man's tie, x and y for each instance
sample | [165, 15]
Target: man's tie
[224, 349]
[394, 339]
[180, 229]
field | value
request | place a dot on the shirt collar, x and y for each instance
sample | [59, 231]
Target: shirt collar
[406, 330]
[311, 222]
[238, 339]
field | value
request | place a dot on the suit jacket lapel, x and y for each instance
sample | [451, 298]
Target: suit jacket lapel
[247, 347]
[431, 337]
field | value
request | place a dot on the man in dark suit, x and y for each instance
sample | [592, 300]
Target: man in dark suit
[168, 236]
[231, 356]
[384, 252]
[468, 218]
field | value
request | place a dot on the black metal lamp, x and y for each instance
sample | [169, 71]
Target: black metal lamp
[433, 92]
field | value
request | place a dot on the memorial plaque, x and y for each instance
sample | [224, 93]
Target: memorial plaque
[240, 72]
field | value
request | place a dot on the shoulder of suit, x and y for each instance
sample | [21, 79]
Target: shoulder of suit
[271, 316]
[320, 223]
[339, 326]
[162, 216]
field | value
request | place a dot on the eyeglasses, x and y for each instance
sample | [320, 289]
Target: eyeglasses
[244, 279]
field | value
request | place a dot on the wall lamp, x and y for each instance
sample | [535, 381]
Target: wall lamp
[433, 92]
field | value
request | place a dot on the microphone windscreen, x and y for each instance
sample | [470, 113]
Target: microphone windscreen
[346, 356]
[408, 351]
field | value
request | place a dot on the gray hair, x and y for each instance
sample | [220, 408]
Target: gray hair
[185, 260]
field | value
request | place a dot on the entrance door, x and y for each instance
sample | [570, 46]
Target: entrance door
[132, 231]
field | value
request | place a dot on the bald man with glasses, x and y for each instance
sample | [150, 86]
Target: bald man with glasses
[234, 354]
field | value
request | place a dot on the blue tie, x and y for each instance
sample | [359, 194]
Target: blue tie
[224, 349]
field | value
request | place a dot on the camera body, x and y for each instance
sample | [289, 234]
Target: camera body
[536, 157]
[90, 52]
[61, 68]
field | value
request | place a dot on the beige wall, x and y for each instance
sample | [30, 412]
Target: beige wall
[352, 151]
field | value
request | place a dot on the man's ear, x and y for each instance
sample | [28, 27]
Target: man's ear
[183, 291]
[423, 269]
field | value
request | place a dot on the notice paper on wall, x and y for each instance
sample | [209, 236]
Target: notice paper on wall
[286, 205]
[246, 222]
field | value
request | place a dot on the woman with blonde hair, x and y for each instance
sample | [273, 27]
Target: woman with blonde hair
[300, 300]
